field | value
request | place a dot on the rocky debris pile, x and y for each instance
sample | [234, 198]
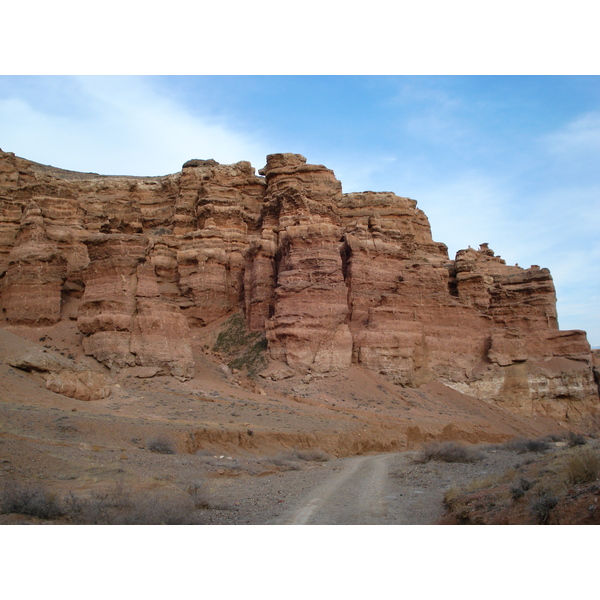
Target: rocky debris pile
[331, 280]
[61, 374]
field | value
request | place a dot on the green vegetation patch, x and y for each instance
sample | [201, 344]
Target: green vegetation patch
[244, 350]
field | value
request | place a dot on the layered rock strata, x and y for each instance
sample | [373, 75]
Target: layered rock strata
[308, 329]
[333, 279]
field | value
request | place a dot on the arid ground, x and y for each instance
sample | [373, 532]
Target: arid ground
[222, 449]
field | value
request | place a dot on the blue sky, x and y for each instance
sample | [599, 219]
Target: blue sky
[511, 161]
[508, 160]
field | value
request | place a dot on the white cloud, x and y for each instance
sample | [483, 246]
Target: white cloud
[122, 126]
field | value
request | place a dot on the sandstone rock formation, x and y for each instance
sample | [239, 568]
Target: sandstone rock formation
[333, 279]
[60, 373]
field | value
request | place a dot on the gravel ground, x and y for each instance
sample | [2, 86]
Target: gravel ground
[411, 493]
[377, 489]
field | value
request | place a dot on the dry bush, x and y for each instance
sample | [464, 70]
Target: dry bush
[582, 466]
[161, 445]
[542, 506]
[576, 439]
[313, 454]
[157, 509]
[451, 452]
[33, 500]
[457, 493]
[518, 489]
[523, 445]
[454, 499]
[451, 494]
[101, 507]
[286, 461]
[118, 506]
[98, 509]
[547, 480]
[204, 452]
[85, 511]
[554, 437]
[224, 462]
[198, 494]
[290, 459]
[115, 506]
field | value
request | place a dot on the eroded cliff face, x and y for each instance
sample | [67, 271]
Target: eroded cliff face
[332, 279]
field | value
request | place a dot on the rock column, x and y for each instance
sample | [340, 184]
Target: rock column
[308, 330]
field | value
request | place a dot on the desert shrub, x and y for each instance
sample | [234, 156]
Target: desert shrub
[583, 466]
[86, 511]
[32, 500]
[450, 452]
[518, 489]
[289, 460]
[576, 439]
[286, 461]
[95, 510]
[204, 452]
[117, 506]
[114, 506]
[101, 507]
[72, 504]
[516, 492]
[161, 445]
[451, 496]
[542, 506]
[313, 454]
[554, 437]
[523, 445]
[197, 493]
[157, 509]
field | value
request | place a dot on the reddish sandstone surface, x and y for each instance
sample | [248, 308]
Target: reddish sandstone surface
[144, 265]
[239, 316]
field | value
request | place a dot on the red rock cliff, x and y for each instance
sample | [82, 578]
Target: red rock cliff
[333, 279]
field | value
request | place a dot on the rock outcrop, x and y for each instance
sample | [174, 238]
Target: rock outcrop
[308, 329]
[333, 279]
[60, 373]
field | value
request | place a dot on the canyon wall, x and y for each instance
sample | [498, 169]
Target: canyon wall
[333, 279]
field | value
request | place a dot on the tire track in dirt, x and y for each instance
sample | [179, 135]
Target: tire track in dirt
[356, 495]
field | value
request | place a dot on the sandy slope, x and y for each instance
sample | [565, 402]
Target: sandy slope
[224, 428]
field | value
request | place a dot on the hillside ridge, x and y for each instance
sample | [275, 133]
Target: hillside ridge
[324, 281]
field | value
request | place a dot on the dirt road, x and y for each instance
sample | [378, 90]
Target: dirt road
[366, 491]
[356, 494]
[387, 489]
